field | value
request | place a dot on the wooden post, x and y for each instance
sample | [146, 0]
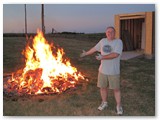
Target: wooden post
[149, 27]
[43, 27]
[52, 30]
[117, 26]
[25, 19]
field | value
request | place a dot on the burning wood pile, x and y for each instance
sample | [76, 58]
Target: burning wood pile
[45, 71]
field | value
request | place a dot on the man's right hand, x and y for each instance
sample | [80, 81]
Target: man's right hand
[83, 54]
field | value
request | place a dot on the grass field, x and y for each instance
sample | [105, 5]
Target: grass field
[137, 84]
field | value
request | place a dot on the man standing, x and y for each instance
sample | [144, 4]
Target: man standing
[109, 70]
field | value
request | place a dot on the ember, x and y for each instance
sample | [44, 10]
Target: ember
[45, 71]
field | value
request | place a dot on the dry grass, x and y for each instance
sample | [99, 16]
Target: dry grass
[137, 85]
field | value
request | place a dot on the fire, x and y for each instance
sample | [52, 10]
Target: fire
[45, 71]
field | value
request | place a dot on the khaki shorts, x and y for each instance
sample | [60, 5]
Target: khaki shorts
[111, 81]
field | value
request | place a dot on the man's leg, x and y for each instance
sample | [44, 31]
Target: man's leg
[102, 84]
[117, 95]
[114, 83]
[104, 94]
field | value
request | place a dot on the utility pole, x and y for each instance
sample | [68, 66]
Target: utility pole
[25, 19]
[43, 27]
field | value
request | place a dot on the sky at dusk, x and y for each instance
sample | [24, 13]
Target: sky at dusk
[87, 18]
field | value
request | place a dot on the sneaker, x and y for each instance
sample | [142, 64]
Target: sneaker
[103, 106]
[119, 110]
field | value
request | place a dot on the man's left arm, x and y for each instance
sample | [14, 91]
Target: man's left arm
[109, 56]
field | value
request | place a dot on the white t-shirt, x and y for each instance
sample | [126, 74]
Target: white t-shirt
[105, 47]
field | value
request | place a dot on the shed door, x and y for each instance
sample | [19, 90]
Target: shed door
[131, 34]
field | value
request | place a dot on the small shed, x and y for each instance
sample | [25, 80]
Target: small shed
[137, 31]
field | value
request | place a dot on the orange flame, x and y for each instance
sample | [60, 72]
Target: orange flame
[44, 72]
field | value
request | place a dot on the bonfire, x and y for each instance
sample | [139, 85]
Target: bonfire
[46, 70]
